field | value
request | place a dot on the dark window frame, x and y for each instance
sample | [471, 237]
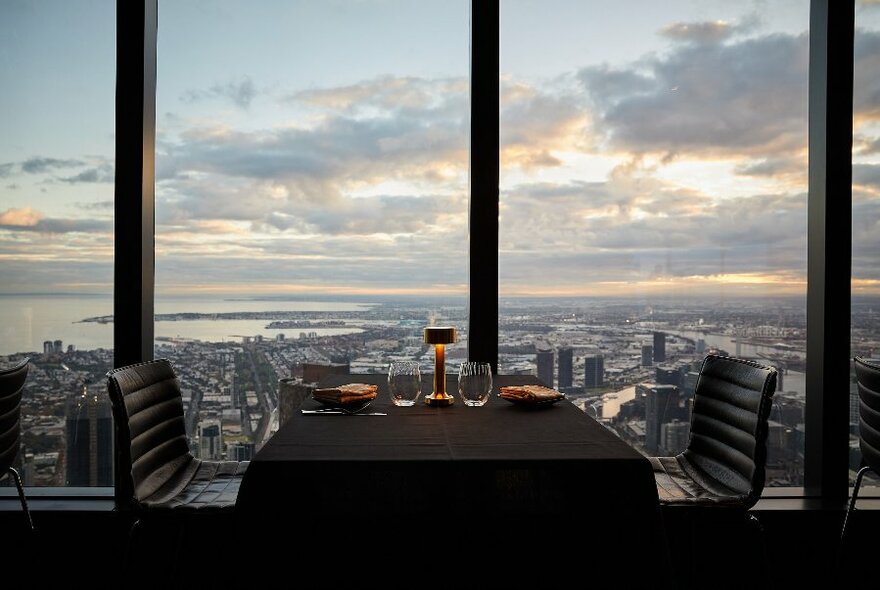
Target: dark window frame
[828, 233]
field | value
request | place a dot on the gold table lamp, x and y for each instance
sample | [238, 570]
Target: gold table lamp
[439, 336]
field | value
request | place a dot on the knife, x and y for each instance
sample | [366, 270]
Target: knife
[313, 412]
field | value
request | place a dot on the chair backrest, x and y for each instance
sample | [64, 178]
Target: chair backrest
[868, 379]
[728, 438]
[150, 429]
[11, 384]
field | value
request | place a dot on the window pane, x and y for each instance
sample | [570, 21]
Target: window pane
[653, 206]
[866, 208]
[56, 232]
[311, 195]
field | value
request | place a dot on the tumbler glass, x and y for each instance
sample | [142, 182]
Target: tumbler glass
[474, 383]
[404, 382]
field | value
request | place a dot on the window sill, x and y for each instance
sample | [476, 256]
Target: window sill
[59, 499]
[62, 499]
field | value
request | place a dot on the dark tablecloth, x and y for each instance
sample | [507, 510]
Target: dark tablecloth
[510, 473]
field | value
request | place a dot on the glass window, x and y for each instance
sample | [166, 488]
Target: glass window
[866, 207]
[653, 206]
[56, 231]
[311, 197]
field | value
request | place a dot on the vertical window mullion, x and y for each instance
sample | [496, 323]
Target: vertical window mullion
[134, 225]
[829, 248]
[484, 173]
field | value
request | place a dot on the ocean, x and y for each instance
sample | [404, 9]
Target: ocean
[26, 321]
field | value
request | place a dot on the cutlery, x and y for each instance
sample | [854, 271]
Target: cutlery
[343, 411]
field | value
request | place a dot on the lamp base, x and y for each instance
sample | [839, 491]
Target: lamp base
[439, 400]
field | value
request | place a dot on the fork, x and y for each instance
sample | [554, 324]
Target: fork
[350, 410]
[344, 411]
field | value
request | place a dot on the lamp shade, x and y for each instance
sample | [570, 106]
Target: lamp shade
[439, 335]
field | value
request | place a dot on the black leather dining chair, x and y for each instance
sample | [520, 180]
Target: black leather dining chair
[868, 382]
[156, 475]
[720, 475]
[11, 386]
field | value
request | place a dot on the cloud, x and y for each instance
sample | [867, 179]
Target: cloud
[634, 228]
[537, 125]
[386, 93]
[371, 184]
[864, 145]
[699, 32]
[739, 99]
[866, 175]
[708, 32]
[38, 165]
[866, 76]
[327, 177]
[30, 220]
[96, 205]
[101, 169]
[240, 92]
[773, 167]
[20, 217]
[102, 173]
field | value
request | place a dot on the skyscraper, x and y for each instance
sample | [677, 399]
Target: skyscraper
[594, 371]
[89, 423]
[210, 440]
[659, 347]
[674, 437]
[647, 355]
[565, 368]
[242, 451]
[544, 360]
[659, 402]
[669, 376]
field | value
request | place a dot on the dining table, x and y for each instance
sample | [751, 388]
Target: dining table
[535, 489]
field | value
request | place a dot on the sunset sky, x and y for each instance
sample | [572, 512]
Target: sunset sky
[648, 148]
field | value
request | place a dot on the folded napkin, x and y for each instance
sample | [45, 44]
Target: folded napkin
[529, 393]
[346, 394]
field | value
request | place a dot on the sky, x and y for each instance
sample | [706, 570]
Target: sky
[311, 147]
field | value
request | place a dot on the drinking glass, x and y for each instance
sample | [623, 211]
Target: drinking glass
[404, 382]
[475, 383]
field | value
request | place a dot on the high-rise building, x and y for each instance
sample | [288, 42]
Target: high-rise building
[210, 440]
[647, 355]
[544, 360]
[594, 371]
[659, 347]
[659, 408]
[47, 347]
[564, 361]
[89, 424]
[242, 451]
[58, 346]
[669, 376]
[690, 383]
[674, 437]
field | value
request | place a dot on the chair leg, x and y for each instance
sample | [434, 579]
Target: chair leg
[849, 511]
[762, 548]
[24, 506]
[126, 557]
